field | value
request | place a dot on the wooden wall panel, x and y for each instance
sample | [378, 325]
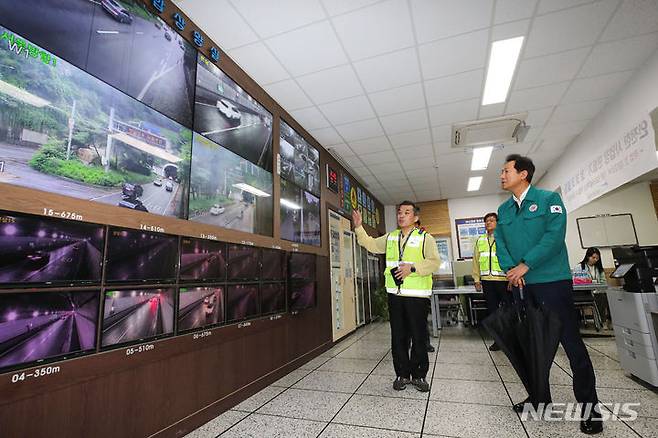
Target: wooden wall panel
[654, 194]
[435, 217]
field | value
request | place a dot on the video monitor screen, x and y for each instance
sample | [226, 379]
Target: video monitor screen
[622, 270]
[46, 325]
[302, 295]
[274, 265]
[310, 219]
[64, 131]
[302, 266]
[202, 260]
[229, 116]
[272, 298]
[119, 41]
[290, 204]
[228, 191]
[200, 307]
[241, 302]
[139, 256]
[243, 262]
[300, 162]
[35, 249]
[136, 315]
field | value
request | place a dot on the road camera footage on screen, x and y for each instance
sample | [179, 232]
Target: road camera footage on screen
[300, 162]
[200, 307]
[202, 260]
[119, 42]
[300, 214]
[65, 131]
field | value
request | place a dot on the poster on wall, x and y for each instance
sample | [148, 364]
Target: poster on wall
[347, 190]
[445, 253]
[468, 230]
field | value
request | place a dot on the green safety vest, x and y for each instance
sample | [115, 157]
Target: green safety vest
[488, 261]
[414, 285]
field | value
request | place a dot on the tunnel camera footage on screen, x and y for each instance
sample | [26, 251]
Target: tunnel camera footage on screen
[140, 256]
[37, 326]
[274, 265]
[300, 214]
[202, 260]
[272, 298]
[302, 266]
[302, 295]
[241, 302]
[65, 131]
[243, 262]
[119, 42]
[136, 315]
[300, 162]
[200, 307]
[229, 116]
[228, 191]
[39, 250]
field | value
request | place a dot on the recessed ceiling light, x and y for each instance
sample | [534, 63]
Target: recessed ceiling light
[474, 183]
[481, 157]
[502, 63]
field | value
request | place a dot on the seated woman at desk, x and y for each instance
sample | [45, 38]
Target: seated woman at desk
[590, 267]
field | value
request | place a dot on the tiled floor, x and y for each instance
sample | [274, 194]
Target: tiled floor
[347, 392]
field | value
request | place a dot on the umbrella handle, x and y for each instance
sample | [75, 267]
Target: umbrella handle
[521, 292]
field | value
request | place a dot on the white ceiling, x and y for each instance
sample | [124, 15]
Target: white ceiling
[380, 82]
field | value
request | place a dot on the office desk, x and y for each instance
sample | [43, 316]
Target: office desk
[436, 294]
[596, 287]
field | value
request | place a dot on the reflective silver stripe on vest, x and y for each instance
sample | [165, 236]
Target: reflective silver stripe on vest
[410, 292]
[485, 255]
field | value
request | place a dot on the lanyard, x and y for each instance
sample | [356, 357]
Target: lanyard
[402, 247]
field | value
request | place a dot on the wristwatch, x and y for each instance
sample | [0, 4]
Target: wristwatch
[413, 269]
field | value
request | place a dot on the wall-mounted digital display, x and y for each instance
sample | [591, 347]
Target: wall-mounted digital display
[35, 249]
[134, 255]
[64, 131]
[243, 262]
[272, 298]
[136, 315]
[300, 162]
[300, 214]
[200, 307]
[45, 325]
[118, 41]
[274, 265]
[229, 191]
[229, 116]
[302, 266]
[310, 219]
[302, 295]
[332, 179]
[202, 260]
[241, 302]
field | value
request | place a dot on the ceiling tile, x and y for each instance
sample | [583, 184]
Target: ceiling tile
[634, 17]
[288, 94]
[411, 164]
[512, 10]
[404, 122]
[425, 151]
[336, 7]
[454, 88]
[428, 196]
[360, 130]
[396, 100]
[341, 149]
[269, 18]
[379, 158]
[348, 110]
[436, 19]
[442, 134]
[310, 118]
[578, 111]
[379, 38]
[315, 84]
[568, 29]
[293, 49]
[555, 5]
[424, 172]
[535, 98]
[619, 55]
[326, 136]
[384, 168]
[454, 112]
[370, 145]
[493, 110]
[510, 30]
[550, 69]
[454, 55]
[563, 130]
[409, 139]
[444, 147]
[389, 71]
[539, 117]
[597, 87]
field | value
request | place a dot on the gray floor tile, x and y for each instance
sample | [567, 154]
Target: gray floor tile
[558, 429]
[259, 426]
[349, 365]
[331, 381]
[646, 427]
[217, 425]
[314, 363]
[466, 372]
[383, 386]
[362, 352]
[430, 356]
[615, 379]
[464, 357]
[384, 412]
[469, 391]
[559, 393]
[291, 378]
[648, 399]
[465, 420]
[259, 399]
[385, 368]
[347, 431]
[305, 404]
[557, 376]
[462, 346]
[598, 362]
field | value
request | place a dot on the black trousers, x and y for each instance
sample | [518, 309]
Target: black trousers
[557, 296]
[408, 317]
[495, 293]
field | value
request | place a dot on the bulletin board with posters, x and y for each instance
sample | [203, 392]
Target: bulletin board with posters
[468, 230]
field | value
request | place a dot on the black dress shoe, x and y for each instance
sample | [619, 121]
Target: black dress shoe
[592, 424]
[520, 405]
[430, 348]
[494, 347]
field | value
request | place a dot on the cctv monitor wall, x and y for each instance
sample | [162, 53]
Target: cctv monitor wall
[274, 265]
[272, 298]
[202, 260]
[200, 307]
[243, 263]
[241, 302]
[41, 250]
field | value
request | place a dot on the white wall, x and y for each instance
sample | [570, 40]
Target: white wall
[391, 217]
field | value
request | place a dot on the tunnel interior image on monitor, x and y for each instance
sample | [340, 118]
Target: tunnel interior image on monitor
[272, 298]
[274, 265]
[302, 266]
[200, 307]
[67, 132]
[302, 295]
[229, 116]
[136, 315]
[300, 162]
[202, 260]
[241, 301]
[243, 262]
[300, 214]
[118, 41]
[229, 191]
[134, 255]
[42, 325]
[35, 249]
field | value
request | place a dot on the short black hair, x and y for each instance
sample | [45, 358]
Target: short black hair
[416, 208]
[522, 163]
[488, 215]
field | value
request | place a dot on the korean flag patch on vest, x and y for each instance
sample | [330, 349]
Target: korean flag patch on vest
[556, 209]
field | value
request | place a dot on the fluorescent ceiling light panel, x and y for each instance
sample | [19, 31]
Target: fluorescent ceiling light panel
[474, 183]
[251, 189]
[290, 204]
[502, 63]
[481, 157]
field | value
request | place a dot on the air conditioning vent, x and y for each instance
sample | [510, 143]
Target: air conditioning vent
[499, 130]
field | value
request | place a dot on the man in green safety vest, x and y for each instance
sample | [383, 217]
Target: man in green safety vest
[411, 258]
[489, 277]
